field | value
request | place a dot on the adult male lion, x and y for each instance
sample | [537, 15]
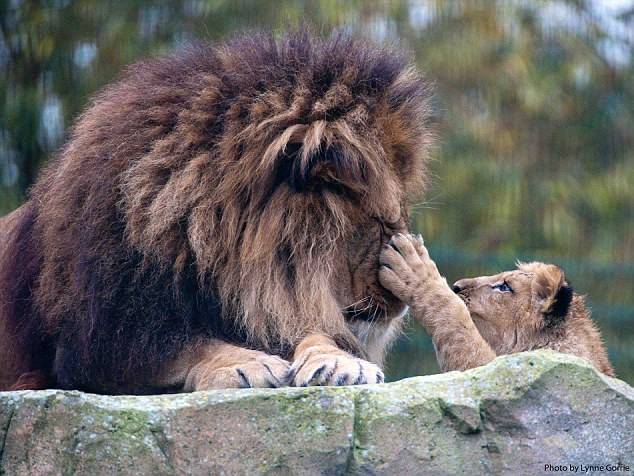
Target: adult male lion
[215, 220]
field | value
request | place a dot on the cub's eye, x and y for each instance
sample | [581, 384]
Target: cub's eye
[504, 287]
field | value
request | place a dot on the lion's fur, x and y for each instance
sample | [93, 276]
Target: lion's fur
[212, 192]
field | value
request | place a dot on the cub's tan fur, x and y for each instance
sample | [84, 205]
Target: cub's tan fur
[532, 307]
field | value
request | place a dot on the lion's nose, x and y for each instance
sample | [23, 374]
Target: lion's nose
[456, 289]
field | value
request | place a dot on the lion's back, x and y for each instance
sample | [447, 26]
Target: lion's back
[14, 362]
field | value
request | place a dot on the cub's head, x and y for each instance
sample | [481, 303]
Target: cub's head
[514, 308]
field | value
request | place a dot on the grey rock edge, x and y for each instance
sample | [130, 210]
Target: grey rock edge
[512, 416]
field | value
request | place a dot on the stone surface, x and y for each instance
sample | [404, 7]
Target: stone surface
[512, 416]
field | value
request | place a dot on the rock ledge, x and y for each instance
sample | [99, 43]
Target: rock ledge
[515, 415]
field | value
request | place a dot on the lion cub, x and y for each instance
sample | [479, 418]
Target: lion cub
[532, 307]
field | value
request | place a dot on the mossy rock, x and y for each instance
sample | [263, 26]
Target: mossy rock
[513, 416]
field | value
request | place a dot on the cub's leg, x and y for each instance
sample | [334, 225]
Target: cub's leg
[318, 361]
[411, 275]
[216, 364]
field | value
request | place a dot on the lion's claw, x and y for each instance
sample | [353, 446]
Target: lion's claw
[334, 369]
[262, 371]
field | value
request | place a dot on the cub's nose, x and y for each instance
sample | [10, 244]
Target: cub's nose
[460, 285]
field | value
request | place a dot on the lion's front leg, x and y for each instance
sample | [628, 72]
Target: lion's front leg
[318, 361]
[215, 364]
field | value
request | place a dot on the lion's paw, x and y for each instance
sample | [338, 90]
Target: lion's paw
[406, 267]
[334, 369]
[262, 371]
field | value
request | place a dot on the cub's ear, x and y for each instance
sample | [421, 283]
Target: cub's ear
[561, 304]
[553, 293]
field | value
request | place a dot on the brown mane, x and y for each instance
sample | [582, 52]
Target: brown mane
[209, 192]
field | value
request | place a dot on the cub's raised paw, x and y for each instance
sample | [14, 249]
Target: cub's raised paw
[334, 369]
[406, 267]
[260, 371]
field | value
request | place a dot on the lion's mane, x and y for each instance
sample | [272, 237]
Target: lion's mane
[207, 193]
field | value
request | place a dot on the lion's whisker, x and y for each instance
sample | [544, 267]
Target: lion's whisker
[349, 310]
[370, 321]
[358, 302]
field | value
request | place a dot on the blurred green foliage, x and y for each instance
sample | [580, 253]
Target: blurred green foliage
[535, 106]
